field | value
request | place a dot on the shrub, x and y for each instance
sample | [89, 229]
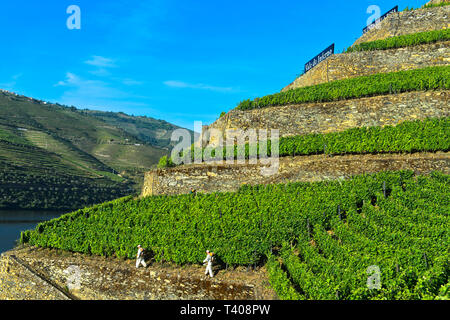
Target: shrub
[165, 162]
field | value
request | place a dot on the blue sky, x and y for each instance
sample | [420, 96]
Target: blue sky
[181, 61]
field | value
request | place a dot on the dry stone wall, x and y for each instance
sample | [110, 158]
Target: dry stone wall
[364, 63]
[101, 278]
[348, 65]
[19, 283]
[306, 118]
[438, 1]
[213, 178]
[408, 22]
[336, 116]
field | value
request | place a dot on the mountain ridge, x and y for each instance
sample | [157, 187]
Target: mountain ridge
[106, 148]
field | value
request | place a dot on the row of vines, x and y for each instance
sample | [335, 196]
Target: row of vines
[403, 41]
[430, 78]
[410, 136]
[326, 233]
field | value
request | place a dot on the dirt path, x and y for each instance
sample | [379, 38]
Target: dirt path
[92, 277]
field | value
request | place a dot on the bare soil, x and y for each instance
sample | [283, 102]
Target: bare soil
[112, 278]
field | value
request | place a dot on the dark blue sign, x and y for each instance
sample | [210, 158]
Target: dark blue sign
[319, 58]
[373, 24]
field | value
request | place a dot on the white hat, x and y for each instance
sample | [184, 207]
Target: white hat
[207, 251]
[139, 245]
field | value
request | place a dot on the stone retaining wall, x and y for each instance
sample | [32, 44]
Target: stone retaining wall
[212, 178]
[336, 116]
[408, 22]
[18, 283]
[438, 1]
[101, 278]
[364, 63]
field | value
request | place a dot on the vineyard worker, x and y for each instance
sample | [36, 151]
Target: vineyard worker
[209, 260]
[140, 257]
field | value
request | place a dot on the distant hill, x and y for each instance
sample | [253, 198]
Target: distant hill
[150, 130]
[53, 156]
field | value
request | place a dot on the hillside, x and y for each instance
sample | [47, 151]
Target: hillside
[357, 206]
[327, 233]
[339, 202]
[149, 130]
[43, 141]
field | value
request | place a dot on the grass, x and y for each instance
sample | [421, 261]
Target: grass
[78, 135]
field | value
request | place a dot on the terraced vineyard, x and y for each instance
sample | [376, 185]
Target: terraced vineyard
[57, 157]
[430, 78]
[39, 171]
[408, 136]
[72, 157]
[403, 41]
[319, 238]
[381, 236]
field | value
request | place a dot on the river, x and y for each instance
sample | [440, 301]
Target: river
[12, 222]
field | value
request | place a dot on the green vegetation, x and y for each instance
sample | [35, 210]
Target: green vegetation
[428, 6]
[72, 155]
[149, 130]
[433, 5]
[45, 146]
[165, 162]
[327, 233]
[31, 177]
[408, 136]
[383, 83]
[25, 189]
[403, 41]
[279, 280]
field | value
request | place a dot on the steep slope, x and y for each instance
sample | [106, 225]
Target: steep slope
[40, 139]
[432, 16]
[150, 130]
[413, 27]
[364, 63]
[319, 237]
[334, 231]
[400, 78]
[82, 131]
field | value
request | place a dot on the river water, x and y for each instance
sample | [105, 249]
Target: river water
[12, 222]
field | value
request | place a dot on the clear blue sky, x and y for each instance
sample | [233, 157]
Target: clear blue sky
[177, 60]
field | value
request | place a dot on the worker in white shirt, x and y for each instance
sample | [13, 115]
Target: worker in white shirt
[208, 261]
[140, 257]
